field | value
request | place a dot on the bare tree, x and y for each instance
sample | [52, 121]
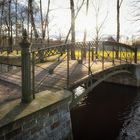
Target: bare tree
[41, 17]
[16, 18]
[77, 12]
[119, 3]
[30, 4]
[135, 14]
[1, 20]
[99, 24]
[10, 33]
[85, 32]
[72, 27]
[72, 21]
[13, 16]
[46, 23]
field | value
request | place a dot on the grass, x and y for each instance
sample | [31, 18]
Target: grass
[15, 59]
[11, 60]
[109, 54]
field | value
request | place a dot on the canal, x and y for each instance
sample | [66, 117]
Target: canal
[109, 112]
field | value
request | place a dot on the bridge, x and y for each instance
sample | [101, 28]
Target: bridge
[57, 78]
[53, 68]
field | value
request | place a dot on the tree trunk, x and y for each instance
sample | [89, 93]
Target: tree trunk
[9, 19]
[68, 34]
[28, 18]
[16, 21]
[41, 17]
[1, 22]
[72, 28]
[118, 20]
[10, 28]
[46, 25]
[32, 18]
[85, 32]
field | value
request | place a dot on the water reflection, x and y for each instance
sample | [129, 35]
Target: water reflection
[109, 112]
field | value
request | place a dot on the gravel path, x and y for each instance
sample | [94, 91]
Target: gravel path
[9, 92]
[10, 83]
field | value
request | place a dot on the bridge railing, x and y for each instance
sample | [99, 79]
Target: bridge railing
[103, 50]
[86, 54]
[42, 53]
[108, 51]
[119, 51]
[137, 50]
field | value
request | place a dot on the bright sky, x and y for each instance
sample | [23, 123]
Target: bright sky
[60, 19]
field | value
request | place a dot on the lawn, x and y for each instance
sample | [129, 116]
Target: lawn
[14, 58]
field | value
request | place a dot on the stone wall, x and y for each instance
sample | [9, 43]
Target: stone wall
[46, 118]
[123, 79]
[126, 78]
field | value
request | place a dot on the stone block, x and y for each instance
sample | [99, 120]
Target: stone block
[64, 108]
[36, 129]
[19, 137]
[53, 112]
[55, 117]
[48, 130]
[29, 124]
[55, 125]
[13, 133]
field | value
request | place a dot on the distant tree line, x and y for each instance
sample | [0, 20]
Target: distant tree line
[16, 15]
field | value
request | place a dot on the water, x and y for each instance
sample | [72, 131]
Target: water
[109, 112]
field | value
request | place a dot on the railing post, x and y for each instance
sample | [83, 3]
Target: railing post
[135, 51]
[126, 59]
[89, 67]
[103, 57]
[120, 51]
[68, 58]
[33, 74]
[113, 61]
[131, 59]
[26, 70]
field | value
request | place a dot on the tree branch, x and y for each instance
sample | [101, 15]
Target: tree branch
[74, 19]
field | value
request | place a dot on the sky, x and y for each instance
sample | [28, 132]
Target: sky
[60, 19]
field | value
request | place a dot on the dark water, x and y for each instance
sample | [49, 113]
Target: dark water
[110, 112]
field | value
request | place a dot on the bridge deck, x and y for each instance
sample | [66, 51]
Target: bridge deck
[55, 81]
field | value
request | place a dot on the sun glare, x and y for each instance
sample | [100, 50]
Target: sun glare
[85, 23]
